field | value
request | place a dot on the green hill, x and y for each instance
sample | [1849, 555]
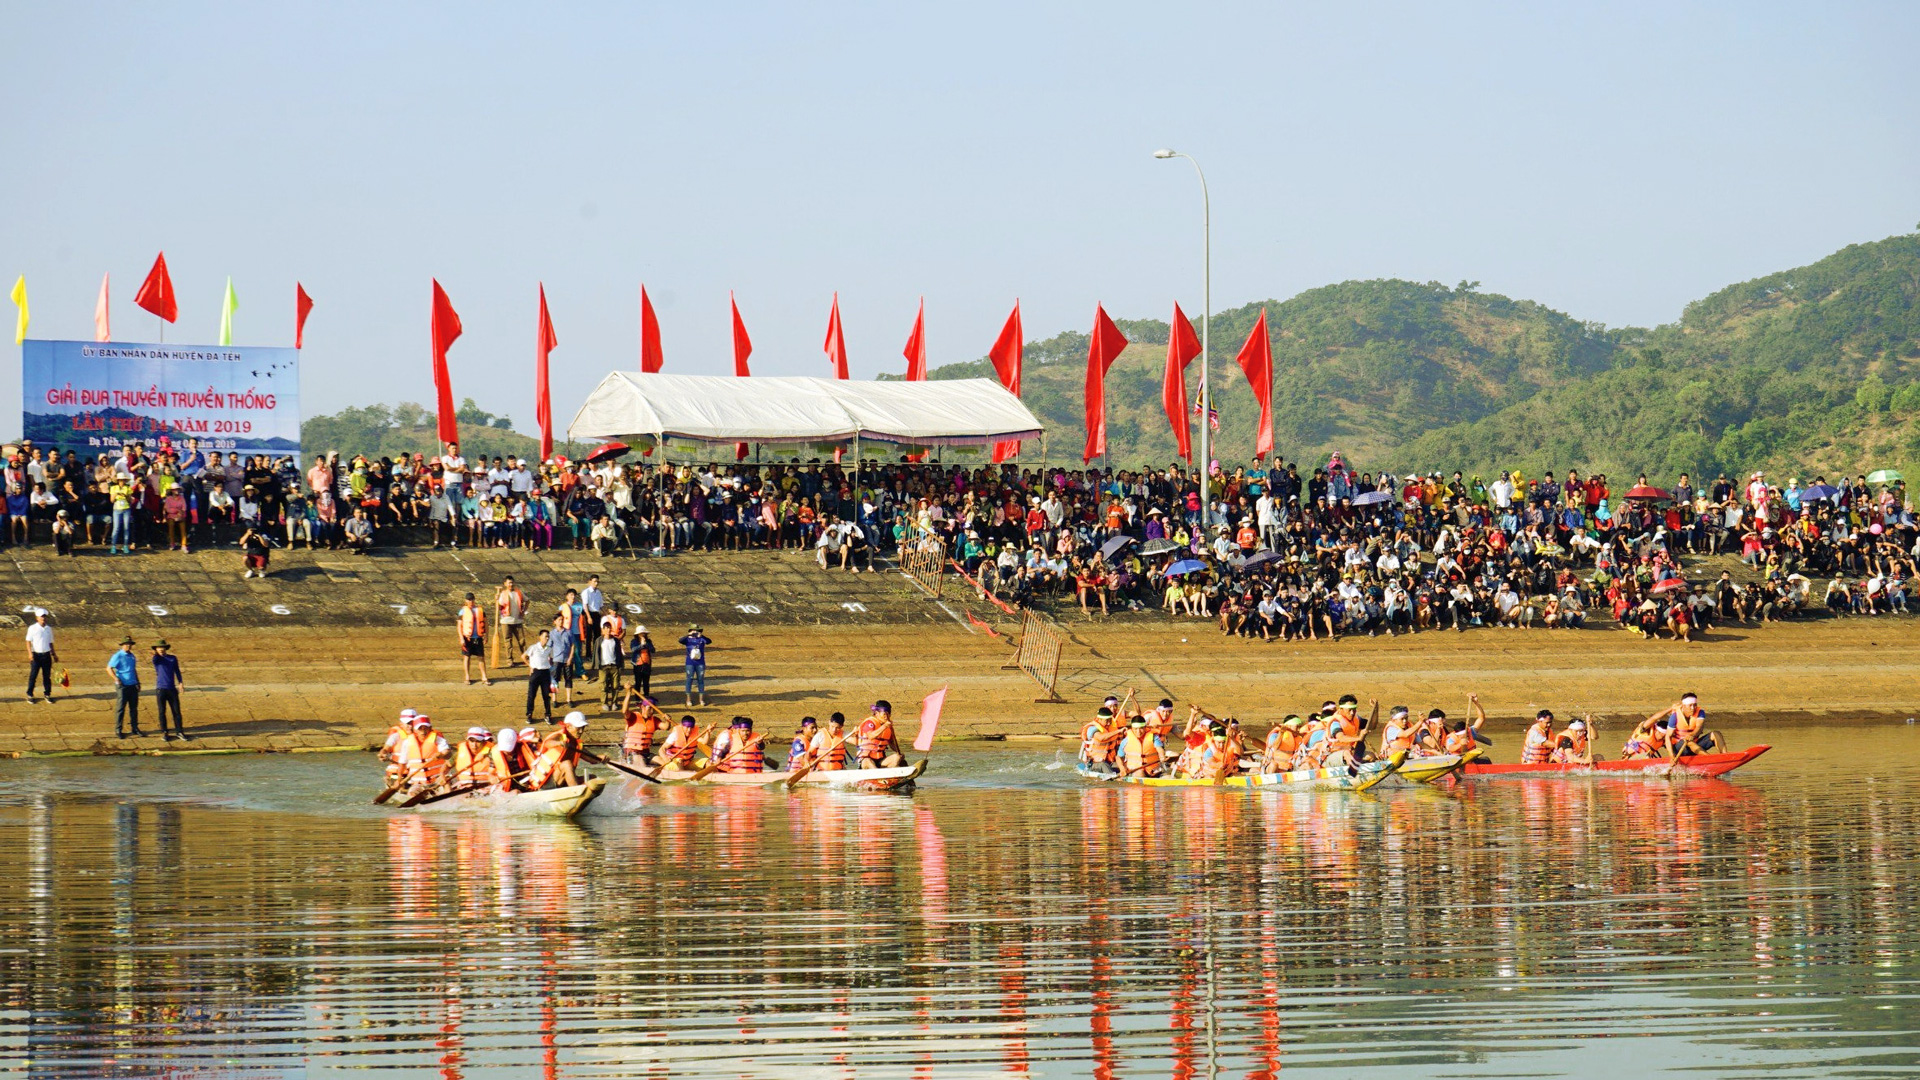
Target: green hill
[1812, 369]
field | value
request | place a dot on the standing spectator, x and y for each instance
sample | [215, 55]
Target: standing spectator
[562, 645]
[696, 644]
[611, 642]
[642, 659]
[167, 682]
[126, 674]
[510, 611]
[40, 654]
[595, 602]
[539, 677]
[472, 624]
[453, 474]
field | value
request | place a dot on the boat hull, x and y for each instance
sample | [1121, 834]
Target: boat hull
[895, 779]
[1297, 780]
[1690, 765]
[553, 802]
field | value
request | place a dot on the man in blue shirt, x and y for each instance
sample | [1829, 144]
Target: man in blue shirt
[126, 673]
[696, 644]
[561, 645]
[167, 682]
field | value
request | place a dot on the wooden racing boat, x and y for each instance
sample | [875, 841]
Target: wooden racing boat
[897, 779]
[1687, 765]
[1399, 770]
[553, 802]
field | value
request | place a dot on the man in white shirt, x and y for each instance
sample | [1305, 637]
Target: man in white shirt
[40, 654]
[1502, 491]
[519, 477]
[453, 473]
[539, 677]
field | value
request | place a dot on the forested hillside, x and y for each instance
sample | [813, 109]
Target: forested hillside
[1812, 369]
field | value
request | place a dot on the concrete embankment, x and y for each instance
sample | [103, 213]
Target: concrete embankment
[323, 653]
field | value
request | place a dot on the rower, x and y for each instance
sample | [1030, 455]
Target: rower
[477, 760]
[1538, 748]
[558, 752]
[401, 729]
[1283, 741]
[1160, 720]
[527, 750]
[1572, 746]
[507, 742]
[1216, 761]
[802, 741]
[828, 750]
[1472, 728]
[681, 745]
[878, 747]
[422, 756]
[738, 749]
[1098, 741]
[1431, 737]
[1684, 723]
[1398, 736]
[1345, 729]
[643, 723]
[1140, 750]
[1236, 742]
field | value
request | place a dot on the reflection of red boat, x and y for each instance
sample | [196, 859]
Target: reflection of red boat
[1690, 765]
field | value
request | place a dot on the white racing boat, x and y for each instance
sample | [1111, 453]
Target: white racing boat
[562, 802]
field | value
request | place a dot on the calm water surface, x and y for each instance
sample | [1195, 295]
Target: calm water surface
[255, 917]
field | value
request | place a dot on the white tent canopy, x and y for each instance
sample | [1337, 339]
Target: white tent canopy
[629, 405]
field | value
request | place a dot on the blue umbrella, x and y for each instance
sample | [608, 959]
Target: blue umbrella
[1819, 491]
[1112, 547]
[1185, 566]
[1369, 498]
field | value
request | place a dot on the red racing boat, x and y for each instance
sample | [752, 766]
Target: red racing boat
[1687, 765]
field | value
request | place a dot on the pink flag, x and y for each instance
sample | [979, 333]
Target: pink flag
[101, 330]
[929, 719]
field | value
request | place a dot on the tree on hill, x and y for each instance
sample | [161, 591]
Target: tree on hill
[390, 430]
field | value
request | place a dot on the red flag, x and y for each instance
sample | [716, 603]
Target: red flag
[650, 355]
[1182, 347]
[742, 345]
[916, 350]
[302, 307]
[156, 293]
[102, 329]
[1101, 351]
[1007, 352]
[446, 330]
[1256, 359]
[542, 399]
[836, 345]
[929, 719]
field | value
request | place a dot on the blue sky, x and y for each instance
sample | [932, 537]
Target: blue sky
[1613, 163]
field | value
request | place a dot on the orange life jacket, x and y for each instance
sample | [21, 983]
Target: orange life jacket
[1142, 753]
[557, 747]
[875, 737]
[473, 622]
[422, 757]
[833, 754]
[1531, 754]
[390, 746]
[747, 757]
[486, 765]
[640, 730]
[1459, 742]
[680, 754]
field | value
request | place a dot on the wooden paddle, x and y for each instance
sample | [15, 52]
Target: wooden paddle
[628, 769]
[424, 799]
[390, 792]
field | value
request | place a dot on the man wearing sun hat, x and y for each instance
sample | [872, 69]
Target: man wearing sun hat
[126, 675]
[167, 682]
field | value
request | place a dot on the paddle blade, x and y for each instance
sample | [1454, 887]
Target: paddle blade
[929, 719]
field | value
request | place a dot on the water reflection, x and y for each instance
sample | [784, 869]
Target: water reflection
[1521, 927]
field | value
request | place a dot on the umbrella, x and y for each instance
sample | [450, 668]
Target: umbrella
[1819, 491]
[1114, 546]
[608, 452]
[1369, 498]
[1262, 559]
[1670, 585]
[1883, 476]
[1647, 491]
[1185, 566]
[1158, 546]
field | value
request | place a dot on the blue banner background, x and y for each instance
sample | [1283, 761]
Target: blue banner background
[92, 397]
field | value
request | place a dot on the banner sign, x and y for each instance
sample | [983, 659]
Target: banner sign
[93, 397]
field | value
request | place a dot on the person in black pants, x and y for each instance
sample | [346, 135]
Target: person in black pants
[167, 681]
[126, 674]
[40, 654]
[642, 660]
[539, 677]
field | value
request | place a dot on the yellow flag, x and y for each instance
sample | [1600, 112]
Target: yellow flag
[226, 315]
[20, 301]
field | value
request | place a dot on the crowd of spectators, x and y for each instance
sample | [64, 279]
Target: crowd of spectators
[1273, 553]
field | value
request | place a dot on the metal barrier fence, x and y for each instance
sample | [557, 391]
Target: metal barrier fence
[1039, 654]
[923, 557]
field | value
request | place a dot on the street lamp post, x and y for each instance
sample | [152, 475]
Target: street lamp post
[1206, 320]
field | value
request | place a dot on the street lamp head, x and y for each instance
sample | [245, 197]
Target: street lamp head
[1163, 154]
